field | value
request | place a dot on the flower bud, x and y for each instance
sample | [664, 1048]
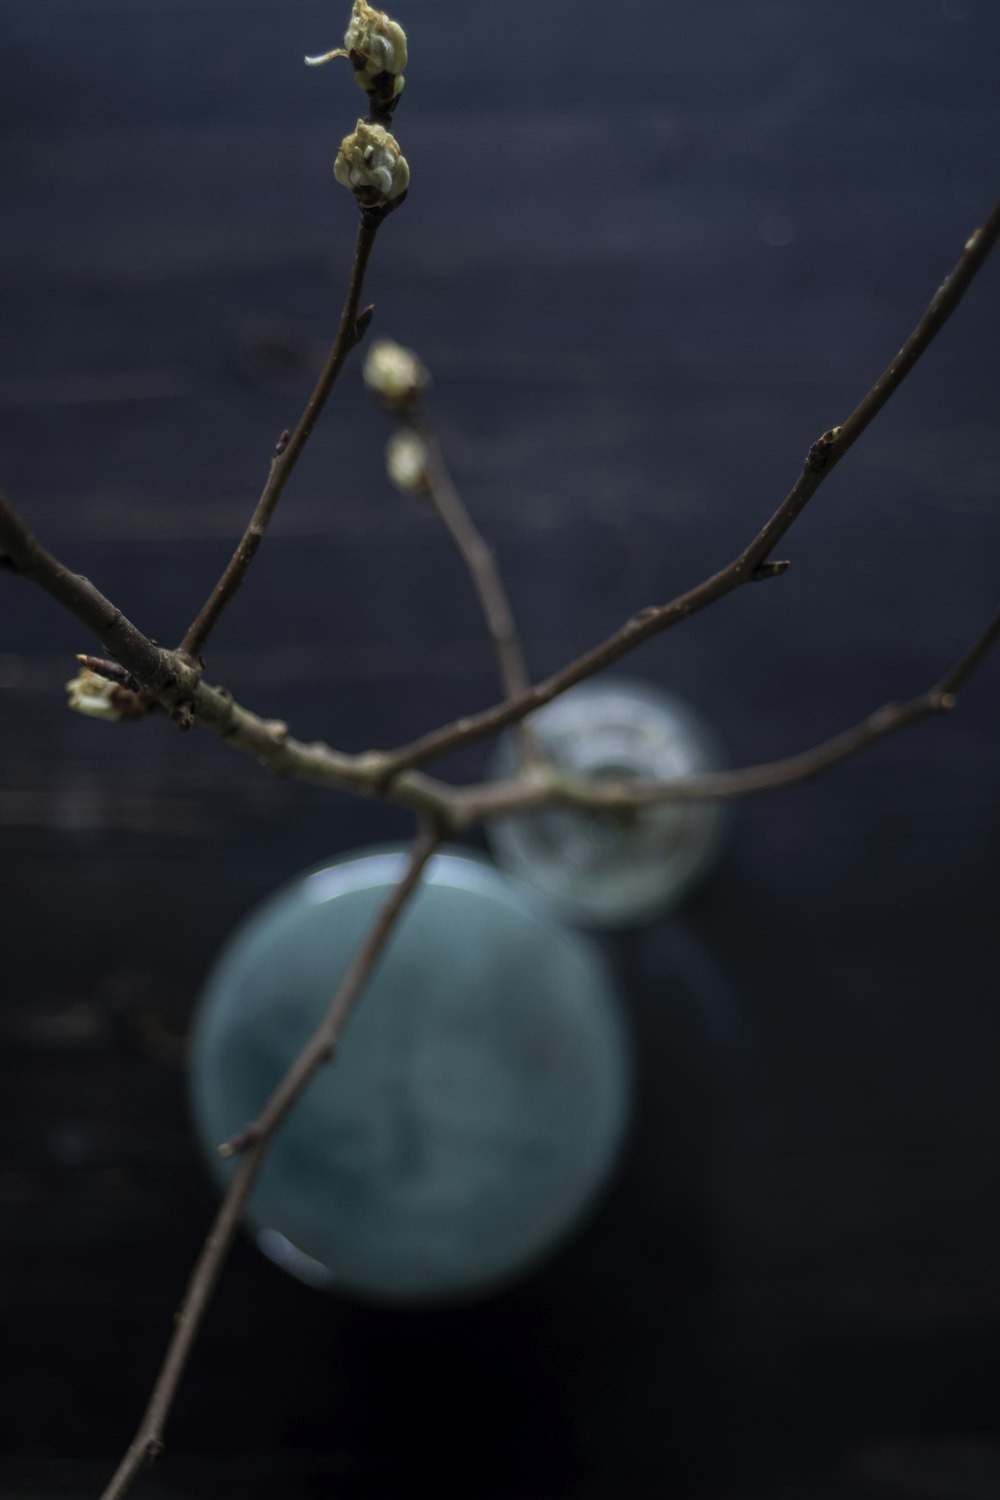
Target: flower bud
[376, 47]
[396, 375]
[95, 696]
[406, 461]
[370, 163]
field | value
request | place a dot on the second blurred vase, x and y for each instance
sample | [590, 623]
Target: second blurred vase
[600, 869]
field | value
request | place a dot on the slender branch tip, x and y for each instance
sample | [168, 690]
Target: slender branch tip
[766, 570]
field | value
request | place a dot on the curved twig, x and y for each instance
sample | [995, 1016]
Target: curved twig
[350, 332]
[479, 559]
[481, 565]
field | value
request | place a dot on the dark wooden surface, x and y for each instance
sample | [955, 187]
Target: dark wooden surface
[650, 253]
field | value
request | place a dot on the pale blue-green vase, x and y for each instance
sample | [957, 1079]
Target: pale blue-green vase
[477, 1103]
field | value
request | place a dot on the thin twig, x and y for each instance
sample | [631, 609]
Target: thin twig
[350, 332]
[749, 565]
[148, 1441]
[480, 562]
[607, 794]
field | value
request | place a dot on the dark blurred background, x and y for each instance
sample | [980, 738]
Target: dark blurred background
[650, 253]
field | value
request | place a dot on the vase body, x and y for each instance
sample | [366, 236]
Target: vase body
[476, 1104]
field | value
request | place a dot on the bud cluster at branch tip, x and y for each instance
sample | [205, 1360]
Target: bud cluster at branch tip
[397, 376]
[371, 164]
[376, 47]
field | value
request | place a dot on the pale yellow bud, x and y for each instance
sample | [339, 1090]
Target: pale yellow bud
[376, 47]
[396, 375]
[96, 697]
[370, 163]
[406, 461]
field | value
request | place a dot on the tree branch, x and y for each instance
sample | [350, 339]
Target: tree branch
[480, 562]
[607, 794]
[350, 332]
[320, 1049]
[27, 558]
[750, 564]
[173, 681]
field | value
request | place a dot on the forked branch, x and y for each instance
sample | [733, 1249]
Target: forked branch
[747, 566]
[612, 794]
[174, 681]
[180, 689]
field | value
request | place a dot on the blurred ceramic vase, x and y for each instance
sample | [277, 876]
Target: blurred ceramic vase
[476, 1105]
[601, 869]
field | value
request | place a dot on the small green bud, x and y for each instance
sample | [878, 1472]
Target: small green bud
[370, 163]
